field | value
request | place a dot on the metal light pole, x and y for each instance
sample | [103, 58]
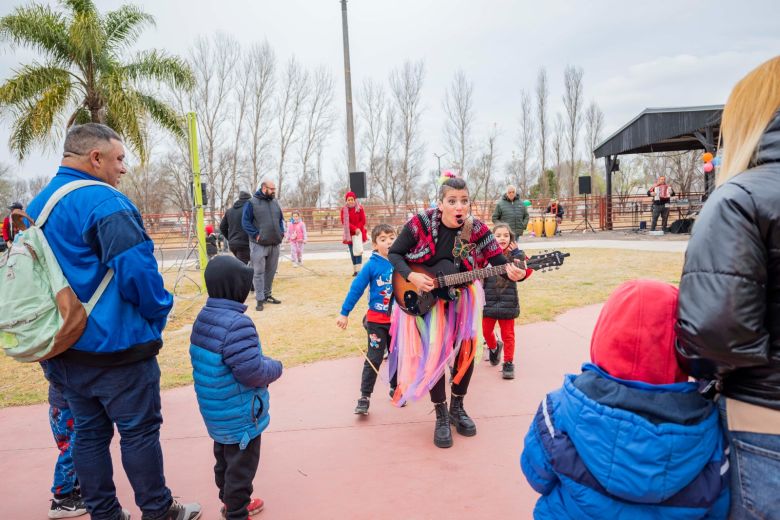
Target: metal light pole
[348, 90]
[438, 158]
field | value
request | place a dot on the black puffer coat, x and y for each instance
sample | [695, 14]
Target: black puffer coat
[729, 307]
[501, 299]
[230, 226]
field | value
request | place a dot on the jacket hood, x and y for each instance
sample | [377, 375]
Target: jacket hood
[769, 144]
[646, 454]
[242, 198]
[228, 278]
[634, 336]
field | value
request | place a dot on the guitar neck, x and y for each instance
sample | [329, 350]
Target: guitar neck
[476, 274]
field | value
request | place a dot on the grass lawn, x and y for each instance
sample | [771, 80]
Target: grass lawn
[302, 329]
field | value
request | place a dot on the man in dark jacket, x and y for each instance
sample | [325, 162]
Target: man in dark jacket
[264, 224]
[511, 211]
[231, 227]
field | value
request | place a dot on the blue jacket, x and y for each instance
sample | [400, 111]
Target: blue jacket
[602, 447]
[378, 275]
[231, 373]
[91, 230]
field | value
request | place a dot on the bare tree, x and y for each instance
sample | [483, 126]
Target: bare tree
[317, 124]
[482, 181]
[459, 118]
[627, 180]
[594, 124]
[683, 171]
[214, 62]
[371, 111]
[526, 138]
[542, 93]
[6, 185]
[392, 185]
[406, 86]
[557, 143]
[260, 67]
[289, 106]
[572, 101]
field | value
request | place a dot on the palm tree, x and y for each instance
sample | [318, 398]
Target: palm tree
[84, 75]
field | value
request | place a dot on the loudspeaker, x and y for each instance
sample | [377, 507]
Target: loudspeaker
[204, 190]
[357, 184]
[585, 185]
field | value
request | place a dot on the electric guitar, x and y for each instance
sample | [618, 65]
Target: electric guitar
[446, 278]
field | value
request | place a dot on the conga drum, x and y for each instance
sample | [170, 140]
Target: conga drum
[530, 226]
[549, 225]
[538, 223]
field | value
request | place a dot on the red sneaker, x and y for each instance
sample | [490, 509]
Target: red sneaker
[255, 506]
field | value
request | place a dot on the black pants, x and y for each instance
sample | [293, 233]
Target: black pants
[234, 472]
[241, 252]
[663, 211]
[378, 343]
[438, 393]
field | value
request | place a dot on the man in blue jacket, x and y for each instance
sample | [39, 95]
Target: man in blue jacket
[264, 224]
[110, 376]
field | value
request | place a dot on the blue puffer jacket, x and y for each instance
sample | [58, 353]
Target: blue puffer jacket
[377, 275]
[602, 447]
[231, 373]
[91, 230]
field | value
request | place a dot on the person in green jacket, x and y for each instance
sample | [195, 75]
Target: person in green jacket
[511, 211]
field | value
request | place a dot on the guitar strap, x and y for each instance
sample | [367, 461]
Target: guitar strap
[464, 231]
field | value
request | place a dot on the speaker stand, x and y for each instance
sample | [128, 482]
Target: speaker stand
[585, 224]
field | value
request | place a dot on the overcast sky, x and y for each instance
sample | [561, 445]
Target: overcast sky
[634, 55]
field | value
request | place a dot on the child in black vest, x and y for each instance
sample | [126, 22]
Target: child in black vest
[502, 306]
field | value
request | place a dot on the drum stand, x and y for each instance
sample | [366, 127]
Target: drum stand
[586, 225]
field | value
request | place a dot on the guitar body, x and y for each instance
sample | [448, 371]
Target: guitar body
[415, 303]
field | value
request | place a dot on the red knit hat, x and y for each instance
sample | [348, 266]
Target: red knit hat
[350, 194]
[634, 336]
[209, 229]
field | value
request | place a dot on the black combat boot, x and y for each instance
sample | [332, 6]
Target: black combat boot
[463, 423]
[442, 435]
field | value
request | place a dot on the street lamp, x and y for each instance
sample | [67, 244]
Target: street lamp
[438, 158]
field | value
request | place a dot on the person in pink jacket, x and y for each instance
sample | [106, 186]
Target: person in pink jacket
[296, 235]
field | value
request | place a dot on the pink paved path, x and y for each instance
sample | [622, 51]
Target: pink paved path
[319, 461]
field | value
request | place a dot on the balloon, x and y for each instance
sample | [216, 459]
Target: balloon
[526, 203]
[708, 167]
[716, 161]
[707, 157]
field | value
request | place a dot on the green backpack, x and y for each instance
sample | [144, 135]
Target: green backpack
[42, 317]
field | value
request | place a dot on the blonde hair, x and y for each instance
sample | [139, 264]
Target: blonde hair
[749, 110]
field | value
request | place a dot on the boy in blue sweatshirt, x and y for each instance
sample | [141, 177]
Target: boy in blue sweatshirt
[231, 382]
[629, 438]
[376, 274]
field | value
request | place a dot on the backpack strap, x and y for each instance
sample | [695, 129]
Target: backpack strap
[61, 192]
[44, 215]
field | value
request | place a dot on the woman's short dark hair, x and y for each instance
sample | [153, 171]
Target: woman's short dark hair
[452, 183]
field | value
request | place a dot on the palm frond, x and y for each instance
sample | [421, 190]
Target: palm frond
[163, 114]
[123, 110]
[39, 28]
[123, 26]
[86, 38]
[81, 6]
[171, 70]
[80, 116]
[37, 117]
[30, 81]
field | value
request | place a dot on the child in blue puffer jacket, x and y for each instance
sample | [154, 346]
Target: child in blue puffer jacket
[629, 437]
[231, 382]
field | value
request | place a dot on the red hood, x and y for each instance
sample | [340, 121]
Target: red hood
[634, 335]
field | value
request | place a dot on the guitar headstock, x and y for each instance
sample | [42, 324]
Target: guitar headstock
[547, 260]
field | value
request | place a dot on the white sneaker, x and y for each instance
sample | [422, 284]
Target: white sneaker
[295, 264]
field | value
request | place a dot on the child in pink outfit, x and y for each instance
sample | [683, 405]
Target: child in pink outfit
[296, 234]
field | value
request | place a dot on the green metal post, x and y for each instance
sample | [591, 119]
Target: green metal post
[200, 228]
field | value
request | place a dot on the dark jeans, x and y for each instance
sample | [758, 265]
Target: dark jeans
[128, 396]
[356, 260]
[755, 472]
[438, 393]
[234, 472]
[241, 252]
[663, 211]
[378, 343]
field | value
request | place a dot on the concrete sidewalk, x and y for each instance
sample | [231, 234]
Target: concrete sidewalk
[321, 461]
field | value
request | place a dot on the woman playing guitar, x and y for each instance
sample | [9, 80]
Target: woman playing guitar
[422, 346]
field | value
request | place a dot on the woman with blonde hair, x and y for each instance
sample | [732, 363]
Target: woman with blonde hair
[728, 320]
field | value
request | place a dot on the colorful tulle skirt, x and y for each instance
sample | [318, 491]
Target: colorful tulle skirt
[421, 347]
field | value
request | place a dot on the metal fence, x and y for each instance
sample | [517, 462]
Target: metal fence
[174, 230]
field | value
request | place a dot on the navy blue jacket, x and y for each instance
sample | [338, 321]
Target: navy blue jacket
[91, 230]
[602, 447]
[263, 225]
[231, 373]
